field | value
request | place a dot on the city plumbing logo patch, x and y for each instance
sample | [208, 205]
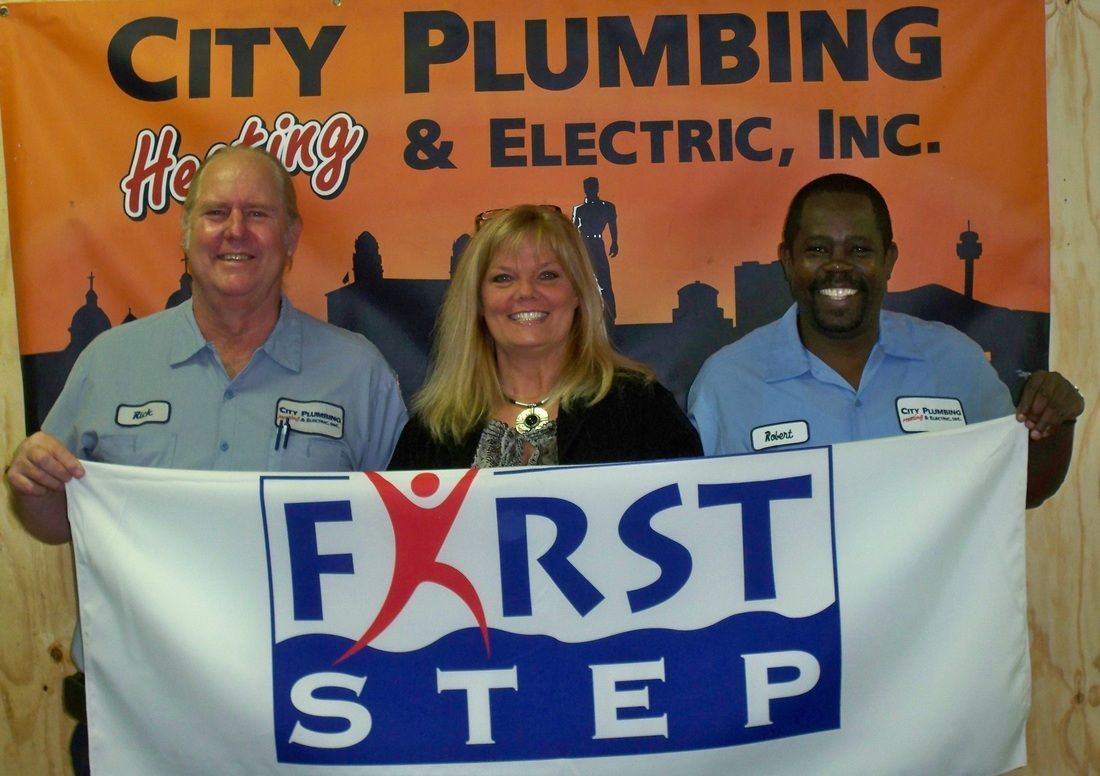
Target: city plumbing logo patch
[929, 413]
[478, 616]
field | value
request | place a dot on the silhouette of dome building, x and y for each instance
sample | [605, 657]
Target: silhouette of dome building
[181, 294]
[44, 374]
[396, 314]
[88, 321]
[698, 305]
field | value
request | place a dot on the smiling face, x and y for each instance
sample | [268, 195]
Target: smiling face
[528, 304]
[239, 238]
[837, 267]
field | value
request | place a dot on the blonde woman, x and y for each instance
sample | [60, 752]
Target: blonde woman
[523, 370]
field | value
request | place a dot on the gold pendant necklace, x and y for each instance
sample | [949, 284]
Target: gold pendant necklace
[532, 417]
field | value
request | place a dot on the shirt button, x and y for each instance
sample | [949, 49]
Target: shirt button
[229, 394]
[859, 403]
[224, 446]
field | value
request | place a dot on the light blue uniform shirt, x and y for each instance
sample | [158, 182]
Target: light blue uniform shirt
[153, 392]
[766, 391]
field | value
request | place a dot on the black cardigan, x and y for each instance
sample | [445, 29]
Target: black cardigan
[636, 421]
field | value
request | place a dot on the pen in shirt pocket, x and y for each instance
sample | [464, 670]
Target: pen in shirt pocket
[282, 433]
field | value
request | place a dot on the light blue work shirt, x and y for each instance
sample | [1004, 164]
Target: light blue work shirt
[766, 391]
[153, 392]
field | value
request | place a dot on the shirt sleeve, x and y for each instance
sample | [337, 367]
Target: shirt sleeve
[386, 417]
[992, 398]
[63, 419]
[707, 411]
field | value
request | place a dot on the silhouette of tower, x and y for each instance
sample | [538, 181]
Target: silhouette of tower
[183, 293]
[760, 294]
[969, 250]
[366, 262]
[457, 248]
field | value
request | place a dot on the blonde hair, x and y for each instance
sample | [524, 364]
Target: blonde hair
[463, 386]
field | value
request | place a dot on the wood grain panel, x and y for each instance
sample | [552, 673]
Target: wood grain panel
[1064, 535]
[37, 606]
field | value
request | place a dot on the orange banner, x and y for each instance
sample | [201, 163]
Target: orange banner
[699, 120]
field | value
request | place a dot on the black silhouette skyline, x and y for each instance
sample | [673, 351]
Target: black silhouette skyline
[398, 314]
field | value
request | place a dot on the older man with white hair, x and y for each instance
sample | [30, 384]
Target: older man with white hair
[235, 379]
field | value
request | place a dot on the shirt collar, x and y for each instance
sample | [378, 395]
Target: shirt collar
[895, 337]
[187, 341]
[789, 358]
[283, 345]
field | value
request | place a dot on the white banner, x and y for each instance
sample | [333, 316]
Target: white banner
[853, 609]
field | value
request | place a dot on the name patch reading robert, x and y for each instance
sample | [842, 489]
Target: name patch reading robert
[311, 417]
[794, 432]
[929, 413]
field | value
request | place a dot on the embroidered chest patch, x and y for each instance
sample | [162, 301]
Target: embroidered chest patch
[140, 414]
[311, 417]
[793, 432]
[929, 413]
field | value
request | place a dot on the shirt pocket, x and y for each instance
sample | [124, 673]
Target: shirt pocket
[311, 454]
[147, 448]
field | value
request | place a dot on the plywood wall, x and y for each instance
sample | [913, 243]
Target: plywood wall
[1064, 535]
[36, 590]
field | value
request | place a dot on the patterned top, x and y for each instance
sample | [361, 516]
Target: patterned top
[501, 445]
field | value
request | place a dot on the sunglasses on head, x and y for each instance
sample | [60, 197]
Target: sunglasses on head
[489, 215]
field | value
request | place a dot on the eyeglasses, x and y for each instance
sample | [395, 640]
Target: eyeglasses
[489, 215]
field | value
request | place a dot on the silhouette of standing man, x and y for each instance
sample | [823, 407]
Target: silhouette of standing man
[591, 217]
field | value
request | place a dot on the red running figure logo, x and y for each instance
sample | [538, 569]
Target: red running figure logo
[418, 535]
